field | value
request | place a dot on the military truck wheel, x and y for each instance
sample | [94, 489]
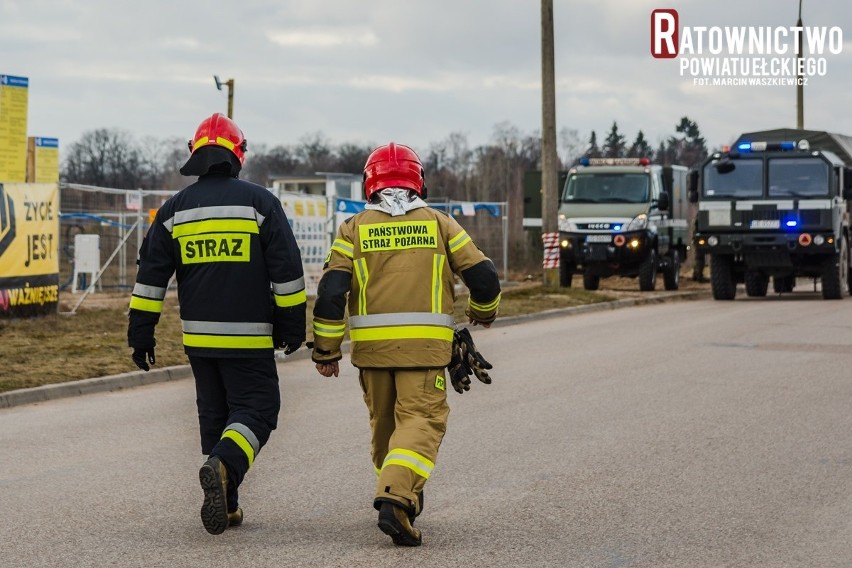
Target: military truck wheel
[591, 281]
[782, 284]
[648, 273]
[756, 283]
[671, 274]
[722, 277]
[566, 272]
[834, 272]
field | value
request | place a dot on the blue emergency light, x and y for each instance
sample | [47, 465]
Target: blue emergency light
[764, 146]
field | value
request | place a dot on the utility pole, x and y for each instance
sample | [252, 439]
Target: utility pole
[230, 85]
[549, 166]
[800, 88]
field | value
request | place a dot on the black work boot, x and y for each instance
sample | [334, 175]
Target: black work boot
[214, 482]
[393, 520]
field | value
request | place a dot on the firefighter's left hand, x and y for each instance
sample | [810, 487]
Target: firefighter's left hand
[142, 356]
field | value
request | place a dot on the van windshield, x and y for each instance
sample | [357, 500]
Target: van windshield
[606, 188]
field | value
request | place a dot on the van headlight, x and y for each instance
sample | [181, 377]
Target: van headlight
[638, 223]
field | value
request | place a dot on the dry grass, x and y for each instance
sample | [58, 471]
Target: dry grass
[93, 343]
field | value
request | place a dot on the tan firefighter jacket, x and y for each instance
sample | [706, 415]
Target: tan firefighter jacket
[398, 274]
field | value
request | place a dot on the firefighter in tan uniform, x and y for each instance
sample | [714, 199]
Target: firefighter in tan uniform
[396, 263]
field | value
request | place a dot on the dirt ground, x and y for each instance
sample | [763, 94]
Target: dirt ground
[93, 342]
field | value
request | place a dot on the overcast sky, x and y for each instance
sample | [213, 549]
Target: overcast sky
[378, 70]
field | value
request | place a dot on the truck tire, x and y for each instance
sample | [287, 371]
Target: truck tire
[566, 272]
[648, 273]
[671, 273]
[756, 283]
[783, 284]
[722, 277]
[591, 281]
[834, 273]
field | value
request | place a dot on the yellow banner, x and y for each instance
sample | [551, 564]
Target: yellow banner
[29, 239]
[396, 236]
[14, 92]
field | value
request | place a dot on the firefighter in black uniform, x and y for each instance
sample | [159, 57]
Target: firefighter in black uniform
[241, 290]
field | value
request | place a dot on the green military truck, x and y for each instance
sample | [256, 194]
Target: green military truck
[623, 217]
[776, 205]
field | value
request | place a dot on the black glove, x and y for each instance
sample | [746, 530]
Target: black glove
[142, 356]
[459, 370]
[472, 357]
[281, 340]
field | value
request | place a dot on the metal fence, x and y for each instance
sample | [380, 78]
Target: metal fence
[120, 219]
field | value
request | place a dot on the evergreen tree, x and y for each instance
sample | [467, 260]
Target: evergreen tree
[640, 147]
[614, 144]
[593, 151]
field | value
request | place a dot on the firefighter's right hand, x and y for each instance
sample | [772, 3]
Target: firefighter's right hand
[142, 356]
[459, 370]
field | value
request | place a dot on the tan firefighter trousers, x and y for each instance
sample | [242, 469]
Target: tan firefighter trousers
[408, 417]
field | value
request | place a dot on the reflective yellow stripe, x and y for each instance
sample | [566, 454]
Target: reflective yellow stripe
[225, 142]
[437, 287]
[241, 441]
[215, 226]
[219, 140]
[329, 330]
[343, 247]
[228, 341]
[289, 300]
[362, 275]
[146, 305]
[459, 241]
[200, 142]
[485, 307]
[417, 463]
[378, 471]
[401, 332]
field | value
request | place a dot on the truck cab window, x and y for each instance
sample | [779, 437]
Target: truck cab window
[745, 180]
[798, 177]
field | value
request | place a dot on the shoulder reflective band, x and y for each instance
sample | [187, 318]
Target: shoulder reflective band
[147, 298]
[329, 329]
[490, 306]
[459, 241]
[215, 226]
[288, 294]
[216, 212]
[417, 463]
[411, 325]
[227, 335]
[398, 235]
[242, 436]
[343, 247]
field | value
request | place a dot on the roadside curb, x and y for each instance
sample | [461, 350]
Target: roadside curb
[140, 378]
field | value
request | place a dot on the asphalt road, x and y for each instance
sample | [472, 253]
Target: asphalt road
[686, 434]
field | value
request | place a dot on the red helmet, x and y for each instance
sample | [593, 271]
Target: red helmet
[219, 130]
[393, 165]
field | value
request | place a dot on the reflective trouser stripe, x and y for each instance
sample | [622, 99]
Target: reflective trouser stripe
[417, 463]
[228, 341]
[242, 436]
[401, 318]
